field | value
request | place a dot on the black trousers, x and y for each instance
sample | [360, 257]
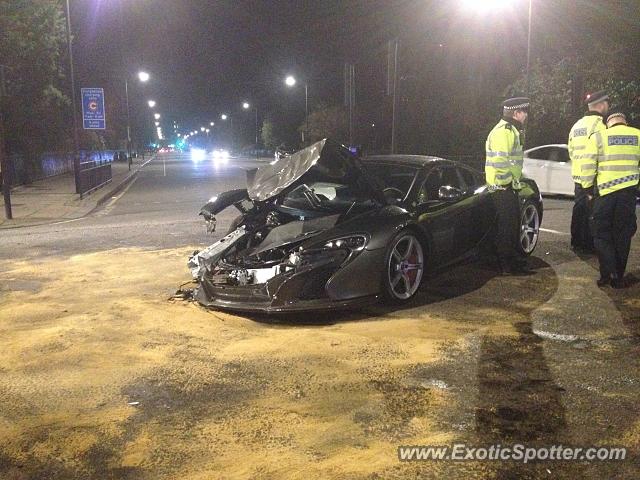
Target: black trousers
[507, 205]
[580, 229]
[613, 225]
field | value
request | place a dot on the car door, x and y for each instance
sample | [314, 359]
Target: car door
[559, 165]
[536, 167]
[448, 222]
[482, 208]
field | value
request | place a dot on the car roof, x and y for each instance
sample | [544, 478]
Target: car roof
[410, 160]
[560, 145]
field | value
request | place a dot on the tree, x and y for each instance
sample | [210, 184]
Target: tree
[327, 121]
[555, 88]
[267, 134]
[33, 48]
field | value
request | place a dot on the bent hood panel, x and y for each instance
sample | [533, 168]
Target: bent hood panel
[295, 231]
[269, 180]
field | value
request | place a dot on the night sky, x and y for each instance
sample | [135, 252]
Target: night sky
[205, 57]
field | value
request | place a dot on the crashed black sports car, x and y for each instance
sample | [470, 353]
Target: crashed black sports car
[322, 229]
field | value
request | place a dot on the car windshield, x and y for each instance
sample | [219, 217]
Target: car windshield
[390, 175]
[325, 196]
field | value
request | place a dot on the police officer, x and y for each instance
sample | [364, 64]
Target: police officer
[614, 154]
[592, 122]
[503, 169]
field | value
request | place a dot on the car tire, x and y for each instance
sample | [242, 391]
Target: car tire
[529, 230]
[403, 268]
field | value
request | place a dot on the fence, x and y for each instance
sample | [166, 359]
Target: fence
[54, 163]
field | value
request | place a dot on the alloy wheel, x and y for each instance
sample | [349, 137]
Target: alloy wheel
[406, 266]
[529, 228]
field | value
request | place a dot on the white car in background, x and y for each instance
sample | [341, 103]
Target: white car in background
[550, 167]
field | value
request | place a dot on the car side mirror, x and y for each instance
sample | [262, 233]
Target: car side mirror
[447, 193]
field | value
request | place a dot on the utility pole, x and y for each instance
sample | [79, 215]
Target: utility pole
[76, 140]
[306, 112]
[392, 87]
[529, 49]
[257, 131]
[350, 95]
[5, 169]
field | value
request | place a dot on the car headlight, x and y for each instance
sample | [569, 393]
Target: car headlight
[338, 250]
[354, 243]
[197, 155]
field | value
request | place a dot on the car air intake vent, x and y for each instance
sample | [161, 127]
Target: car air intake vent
[314, 285]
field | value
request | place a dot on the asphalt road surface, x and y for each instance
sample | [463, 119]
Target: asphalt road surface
[103, 376]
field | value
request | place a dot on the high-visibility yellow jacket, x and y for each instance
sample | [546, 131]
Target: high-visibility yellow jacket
[615, 153]
[580, 133]
[503, 165]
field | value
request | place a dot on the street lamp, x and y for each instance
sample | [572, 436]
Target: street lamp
[202, 129]
[290, 81]
[211, 124]
[483, 6]
[156, 116]
[247, 106]
[224, 116]
[151, 103]
[143, 76]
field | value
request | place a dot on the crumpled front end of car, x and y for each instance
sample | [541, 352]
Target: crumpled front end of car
[301, 280]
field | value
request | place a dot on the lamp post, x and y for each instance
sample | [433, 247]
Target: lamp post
[529, 48]
[143, 77]
[226, 117]
[76, 138]
[290, 81]
[247, 106]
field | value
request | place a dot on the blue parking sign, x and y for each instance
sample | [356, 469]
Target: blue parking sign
[93, 115]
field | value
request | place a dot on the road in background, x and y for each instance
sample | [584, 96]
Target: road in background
[159, 210]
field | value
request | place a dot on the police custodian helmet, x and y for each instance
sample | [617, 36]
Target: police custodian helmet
[516, 103]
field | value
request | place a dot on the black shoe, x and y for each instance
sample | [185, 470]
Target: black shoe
[619, 283]
[584, 251]
[631, 279]
[604, 282]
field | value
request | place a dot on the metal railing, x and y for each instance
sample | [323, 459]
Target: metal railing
[94, 173]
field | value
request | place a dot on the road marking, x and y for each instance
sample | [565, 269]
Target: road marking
[548, 230]
[109, 206]
[556, 336]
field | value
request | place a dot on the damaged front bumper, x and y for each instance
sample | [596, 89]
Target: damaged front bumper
[286, 289]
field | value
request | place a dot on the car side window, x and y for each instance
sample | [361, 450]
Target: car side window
[559, 154]
[429, 189]
[540, 154]
[436, 178]
[451, 178]
[472, 180]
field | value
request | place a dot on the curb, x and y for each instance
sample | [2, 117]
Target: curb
[99, 202]
[120, 186]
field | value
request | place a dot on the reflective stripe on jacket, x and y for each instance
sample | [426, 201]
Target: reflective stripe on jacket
[578, 137]
[616, 152]
[503, 164]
